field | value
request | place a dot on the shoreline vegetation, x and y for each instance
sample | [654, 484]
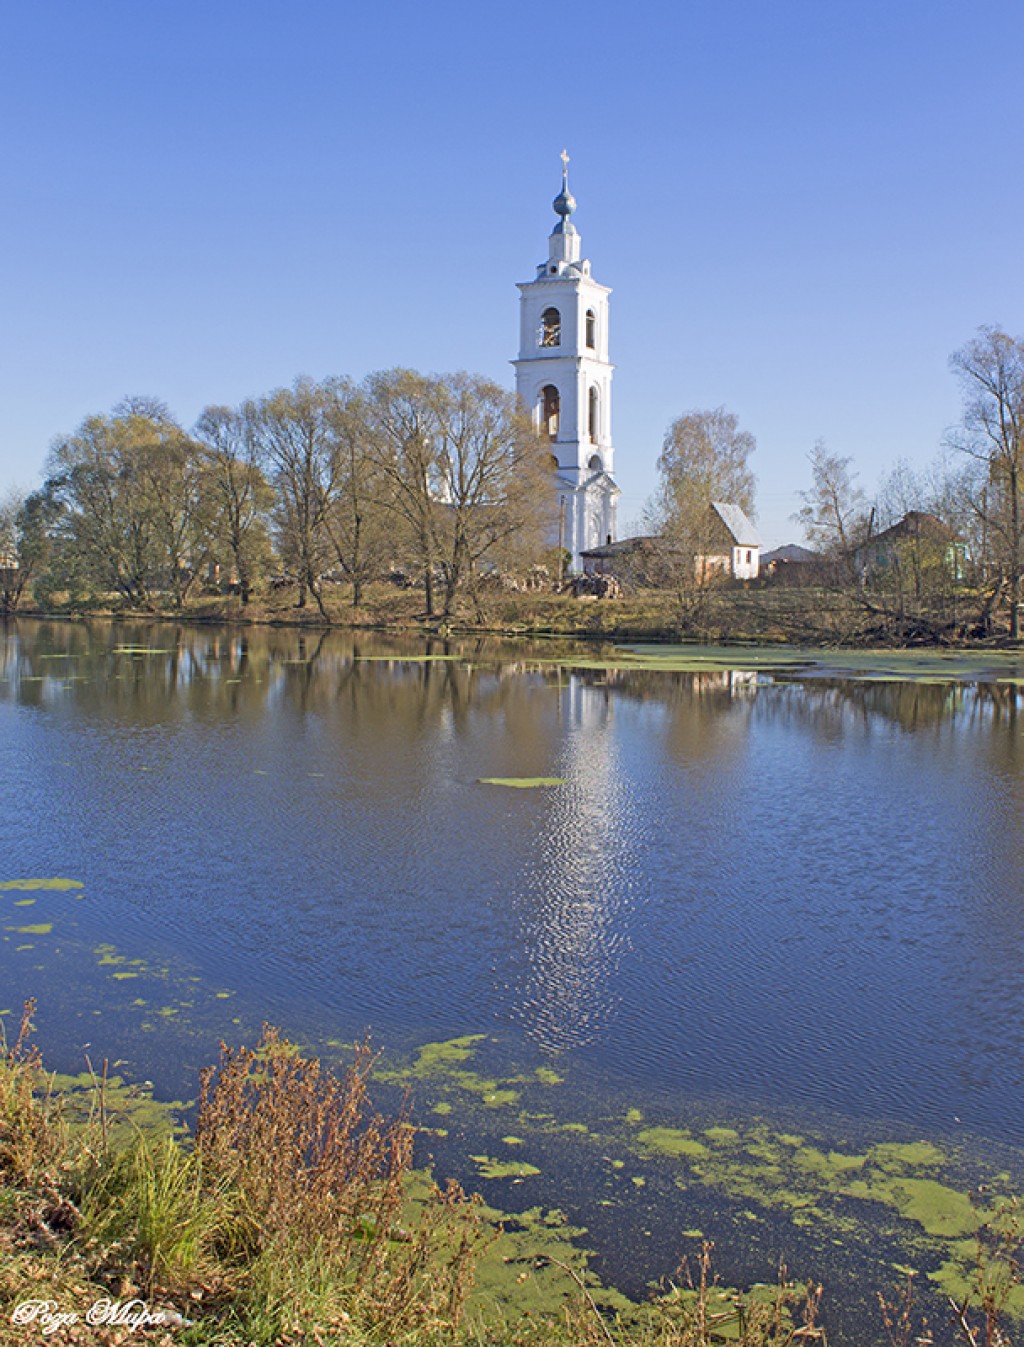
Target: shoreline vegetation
[732, 614]
[292, 1214]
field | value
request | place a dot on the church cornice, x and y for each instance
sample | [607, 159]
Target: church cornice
[575, 361]
[564, 283]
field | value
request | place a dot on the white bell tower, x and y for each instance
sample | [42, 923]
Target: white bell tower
[564, 377]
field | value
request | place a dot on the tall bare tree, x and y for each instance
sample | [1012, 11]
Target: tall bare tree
[833, 511]
[359, 521]
[704, 458]
[463, 470]
[125, 486]
[991, 373]
[296, 434]
[24, 544]
[237, 498]
[399, 431]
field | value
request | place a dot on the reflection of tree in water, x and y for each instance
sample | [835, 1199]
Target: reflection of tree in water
[583, 876]
[830, 708]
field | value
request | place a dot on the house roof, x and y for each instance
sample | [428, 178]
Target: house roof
[916, 524]
[739, 526]
[789, 552]
[623, 547]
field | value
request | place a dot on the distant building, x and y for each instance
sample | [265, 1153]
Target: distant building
[792, 564]
[564, 378]
[733, 544]
[730, 545]
[918, 540]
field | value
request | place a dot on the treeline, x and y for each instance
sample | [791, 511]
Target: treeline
[943, 546]
[441, 475]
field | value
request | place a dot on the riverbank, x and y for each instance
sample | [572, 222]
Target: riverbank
[293, 1215]
[733, 613]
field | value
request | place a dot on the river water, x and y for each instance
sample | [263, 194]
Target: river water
[773, 906]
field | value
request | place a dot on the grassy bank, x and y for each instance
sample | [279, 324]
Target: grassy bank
[292, 1214]
[760, 613]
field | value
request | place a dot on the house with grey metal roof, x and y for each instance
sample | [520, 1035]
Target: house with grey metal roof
[734, 544]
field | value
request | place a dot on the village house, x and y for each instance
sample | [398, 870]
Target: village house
[919, 541]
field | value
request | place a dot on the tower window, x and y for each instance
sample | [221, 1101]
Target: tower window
[551, 328]
[595, 464]
[593, 415]
[591, 329]
[550, 403]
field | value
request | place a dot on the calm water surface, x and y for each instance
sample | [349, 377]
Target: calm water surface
[751, 898]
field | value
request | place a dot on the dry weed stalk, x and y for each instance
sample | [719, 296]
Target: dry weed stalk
[321, 1180]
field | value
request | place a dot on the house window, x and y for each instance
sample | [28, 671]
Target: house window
[550, 403]
[551, 328]
[591, 329]
[592, 416]
[750, 558]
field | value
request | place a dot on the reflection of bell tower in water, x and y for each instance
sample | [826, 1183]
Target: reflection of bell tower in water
[563, 375]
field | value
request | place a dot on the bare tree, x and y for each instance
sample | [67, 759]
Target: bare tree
[124, 488]
[236, 496]
[359, 522]
[24, 544]
[400, 437]
[833, 511]
[704, 458]
[492, 479]
[295, 430]
[991, 372]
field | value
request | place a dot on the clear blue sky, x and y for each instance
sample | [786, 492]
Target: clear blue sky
[802, 206]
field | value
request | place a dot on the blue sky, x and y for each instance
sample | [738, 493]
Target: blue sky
[802, 208]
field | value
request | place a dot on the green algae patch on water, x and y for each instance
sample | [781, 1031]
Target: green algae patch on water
[437, 1058]
[55, 884]
[784, 661]
[489, 1168]
[521, 782]
[443, 1062]
[672, 1141]
[722, 1136]
[129, 1109]
[547, 1076]
[39, 928]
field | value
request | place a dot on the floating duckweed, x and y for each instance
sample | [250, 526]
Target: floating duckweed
[23, 902]
[916, 1154]
[512, 1141]
[41, 884]
[633, 1115]
[123, 976]
[489, 1168]
[548, 1077]
[438, 1057]
[40, 928]
[521, 782]
[443, 1108]
[722, 1135]
[672, 1141]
